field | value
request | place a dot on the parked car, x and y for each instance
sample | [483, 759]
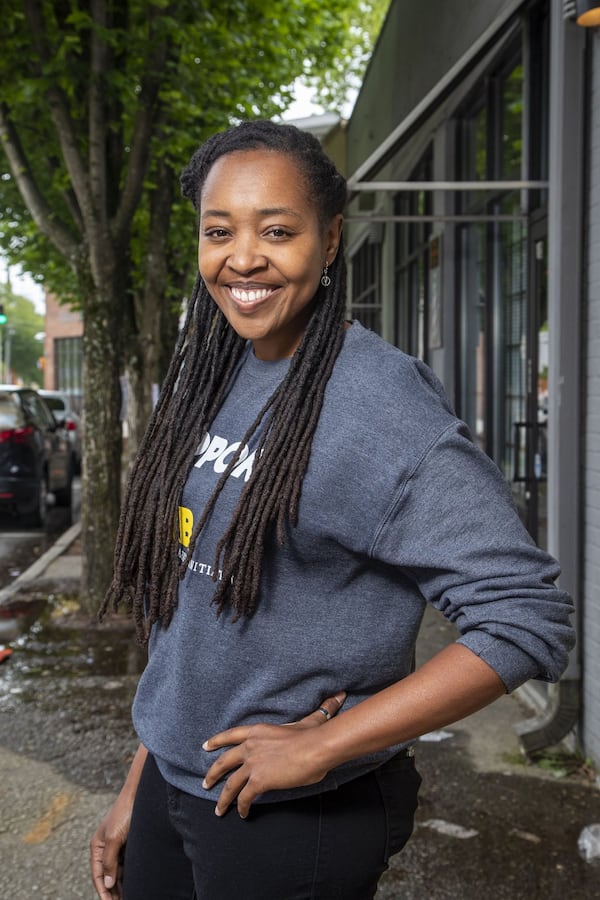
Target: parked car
[61, 405]
[35, 456]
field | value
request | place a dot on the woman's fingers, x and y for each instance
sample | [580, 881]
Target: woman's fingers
[231, 789]
[227, 738]
[272, 758]
[265, 757]
[105, 867]
[228, 761]
[327, 710]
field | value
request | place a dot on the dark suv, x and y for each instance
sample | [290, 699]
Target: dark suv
[35, 456]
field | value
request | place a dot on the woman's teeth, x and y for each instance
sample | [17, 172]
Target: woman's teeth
[249, 296]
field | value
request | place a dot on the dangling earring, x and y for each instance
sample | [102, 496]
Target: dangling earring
[325, 279]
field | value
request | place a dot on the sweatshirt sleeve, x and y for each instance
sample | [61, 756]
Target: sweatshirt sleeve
[452, 528]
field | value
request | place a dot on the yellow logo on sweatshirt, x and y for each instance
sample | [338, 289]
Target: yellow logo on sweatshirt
[186, 526]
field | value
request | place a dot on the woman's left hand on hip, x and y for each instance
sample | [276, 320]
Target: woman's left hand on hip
[267, 757]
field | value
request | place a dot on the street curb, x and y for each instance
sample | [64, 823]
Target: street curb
[37, 569]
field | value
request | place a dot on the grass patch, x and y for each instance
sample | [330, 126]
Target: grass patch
[562, 764]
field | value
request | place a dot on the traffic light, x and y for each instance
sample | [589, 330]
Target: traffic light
[3, 318]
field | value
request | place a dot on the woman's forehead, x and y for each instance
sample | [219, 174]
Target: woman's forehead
[258, 176]
[269, 165]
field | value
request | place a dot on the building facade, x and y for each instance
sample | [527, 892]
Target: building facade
[63, 352]
[473, 235]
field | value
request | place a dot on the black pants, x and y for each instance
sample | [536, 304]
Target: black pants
[331, 846]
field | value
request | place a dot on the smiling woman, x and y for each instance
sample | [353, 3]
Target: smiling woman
[302, 491]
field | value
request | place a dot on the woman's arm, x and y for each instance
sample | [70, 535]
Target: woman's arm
[108, 843]
[450, 686]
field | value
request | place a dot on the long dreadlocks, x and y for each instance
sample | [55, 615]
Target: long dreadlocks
[147, 562]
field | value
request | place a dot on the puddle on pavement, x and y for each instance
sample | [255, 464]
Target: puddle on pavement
[47, 649]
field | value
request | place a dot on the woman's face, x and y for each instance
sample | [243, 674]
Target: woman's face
[262, 248]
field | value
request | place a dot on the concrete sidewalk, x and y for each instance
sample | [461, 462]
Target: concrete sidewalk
[57, 564]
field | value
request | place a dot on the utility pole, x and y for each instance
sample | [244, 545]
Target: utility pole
[3, 320]
[7, 348]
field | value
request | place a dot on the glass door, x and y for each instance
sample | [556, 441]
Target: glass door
[504, 357]
[503, 334]
[530, 460]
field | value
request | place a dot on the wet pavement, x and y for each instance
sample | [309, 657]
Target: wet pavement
[19, 546]
[489, 824]
[501, 835]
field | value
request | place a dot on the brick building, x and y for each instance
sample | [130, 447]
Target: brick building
[63, 350]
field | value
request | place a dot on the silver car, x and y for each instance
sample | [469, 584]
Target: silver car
[61, 405]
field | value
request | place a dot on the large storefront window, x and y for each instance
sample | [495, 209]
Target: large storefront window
[493, 271]
[68, 368]
[411, 275]
[511, 125]
[366, 286]
[511, 346]
[473, 320]
[500, 308]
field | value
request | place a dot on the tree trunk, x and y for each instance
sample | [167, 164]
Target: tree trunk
[101, 473]
[142, 374]
[148, 356]
[153, 318]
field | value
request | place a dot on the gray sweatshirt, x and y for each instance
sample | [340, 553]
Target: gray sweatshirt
[399, 508]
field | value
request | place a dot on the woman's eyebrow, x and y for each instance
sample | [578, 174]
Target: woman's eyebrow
[279, 211]
[215, 212]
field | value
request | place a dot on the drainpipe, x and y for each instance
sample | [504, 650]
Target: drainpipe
[557, 721]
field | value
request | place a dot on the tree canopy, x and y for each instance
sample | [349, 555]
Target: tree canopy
[22, 339]
[337, 83]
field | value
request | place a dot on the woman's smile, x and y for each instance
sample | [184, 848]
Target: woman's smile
[250, 295]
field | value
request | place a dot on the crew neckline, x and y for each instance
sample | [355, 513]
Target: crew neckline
[254, 365]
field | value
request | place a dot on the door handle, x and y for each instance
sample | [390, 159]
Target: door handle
[520, 451]
[522, 432]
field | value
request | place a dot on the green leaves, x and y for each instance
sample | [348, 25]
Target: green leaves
[25, 326]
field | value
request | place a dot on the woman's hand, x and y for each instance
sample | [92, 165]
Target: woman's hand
[108, 843]
[267, 758]
[107, 847]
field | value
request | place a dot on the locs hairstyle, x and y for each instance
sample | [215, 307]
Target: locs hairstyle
[147, 562]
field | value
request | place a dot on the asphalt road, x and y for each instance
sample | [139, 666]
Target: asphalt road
[19, 546]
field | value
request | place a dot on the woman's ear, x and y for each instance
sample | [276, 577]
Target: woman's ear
[333, 236]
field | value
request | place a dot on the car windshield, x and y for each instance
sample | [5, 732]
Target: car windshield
[11, 414]
[55, 402]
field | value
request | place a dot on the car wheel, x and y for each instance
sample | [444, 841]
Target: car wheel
[64, 496]
[37, 518]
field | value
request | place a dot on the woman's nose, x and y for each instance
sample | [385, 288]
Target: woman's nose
[246, 256]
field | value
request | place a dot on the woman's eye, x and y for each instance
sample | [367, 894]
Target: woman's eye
[216, 233]
[278, 233]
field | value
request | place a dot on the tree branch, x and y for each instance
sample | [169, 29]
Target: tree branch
[142, 132]
[43, 215]
[59, 110]
[97, 111]
[69, 198]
